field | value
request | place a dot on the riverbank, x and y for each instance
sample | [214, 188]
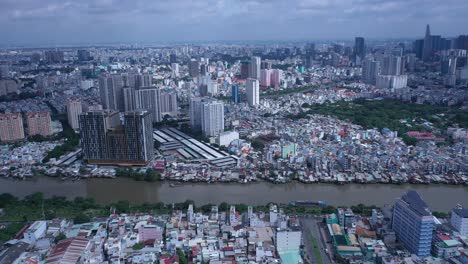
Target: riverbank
[104, 191]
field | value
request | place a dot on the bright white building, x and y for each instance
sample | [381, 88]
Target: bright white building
[459, 220]
[36, 231]
[253, 92]
[225, 138]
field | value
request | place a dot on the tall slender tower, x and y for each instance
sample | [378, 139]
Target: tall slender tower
[427, 47]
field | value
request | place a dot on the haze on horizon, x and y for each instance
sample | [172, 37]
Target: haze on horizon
[36, 22]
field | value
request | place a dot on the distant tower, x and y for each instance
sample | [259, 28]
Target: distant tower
[359, 48]
[427, 46]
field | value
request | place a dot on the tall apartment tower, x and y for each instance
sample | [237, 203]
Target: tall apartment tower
[143, 80]
[360, 47]
[74, 109]
[149, 98]
[139, 136]
[370, 71]
[169, 102]
[11, 127]
[39, 123]
[194, 67]
[253, 92]
[110, 90]
[413, 223]
[212, 118]
[207, 116]
[129, 99]
[254, 71]
[105, 141]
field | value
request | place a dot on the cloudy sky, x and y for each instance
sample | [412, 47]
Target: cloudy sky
[110, 21]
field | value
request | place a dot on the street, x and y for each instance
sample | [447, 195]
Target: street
[310, 228]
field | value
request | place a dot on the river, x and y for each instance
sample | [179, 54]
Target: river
[439, 197]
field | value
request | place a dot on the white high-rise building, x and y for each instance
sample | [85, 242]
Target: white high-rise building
[212, 117]
[254, 70]
[74, 108]
[169, 102]
[253, 92]
[175, 70]
[149, 98]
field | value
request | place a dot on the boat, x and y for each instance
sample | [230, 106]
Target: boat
[307, 203]
[172, 185]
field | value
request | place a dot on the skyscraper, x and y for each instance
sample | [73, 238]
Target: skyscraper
[149, 98]
[169, 102]
[194, 67]
[254, 70]
[74, 108]
[105, 141]
[391, 65]
[413, 223]
[110, 89]
[265, 77]
[207, 116]
[235, 96]
[11, 127]
[139, 136]
[370, 71]
[359, 47]
[212, 117]
[253, 92]
[276, 76]
[129, 99]
[245, 67]
[427, 46]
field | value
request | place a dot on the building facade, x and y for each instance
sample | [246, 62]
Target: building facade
[74, 109]
[11, 127]
[253, 92]
[413, 224]
[39, 123]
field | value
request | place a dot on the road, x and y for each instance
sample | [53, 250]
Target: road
[310, 226]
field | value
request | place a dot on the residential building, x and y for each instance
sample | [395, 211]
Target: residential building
[413, 223]
[36, 231]
[11, 127]
[370, 71]
[254, 70]
[235, 95]
[212, 117]
[253, 92]
[74, 109]
[129, 98]
[265, 77]
[110, 89]
[169, 102]
[39, 123]
[276, 77]
[459, 220]
[8, 86]
[149, 98]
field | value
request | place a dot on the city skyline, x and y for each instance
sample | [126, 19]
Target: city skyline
[54, 22]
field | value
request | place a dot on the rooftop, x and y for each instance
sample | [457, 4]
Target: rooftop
[416, 203]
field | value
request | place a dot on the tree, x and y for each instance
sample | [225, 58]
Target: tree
[81, 218]
[60, 237]
[138, 246]
[182, 257]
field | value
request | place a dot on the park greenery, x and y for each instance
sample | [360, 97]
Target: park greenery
[302, 89]
[392, 114]
[149, 175]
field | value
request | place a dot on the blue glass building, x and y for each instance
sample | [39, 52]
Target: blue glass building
[235, 97]
[413, 224]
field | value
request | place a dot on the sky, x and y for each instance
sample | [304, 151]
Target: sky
[29, 22]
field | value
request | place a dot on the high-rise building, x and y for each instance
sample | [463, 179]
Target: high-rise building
[194, 67]
[253, 92]
[391, 65]
[265, 77]
[195, 113]
[235, 96]
[4, 71]
[459, 220]
[370, 71]
[149, 98]
[169, 102]
[139, 136]
[8, 86]
[427, 46]
[254, 70]
[175, 70]
[11, 127]
[129, 99]
[276, 77]
[39, 123]
[359, 47]
[74, 109]
[105, 141]
[207, 116]
[212, 117]
[110, 89]
[173, 58]
[245, 66]
[413, 223]
[143, 80]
